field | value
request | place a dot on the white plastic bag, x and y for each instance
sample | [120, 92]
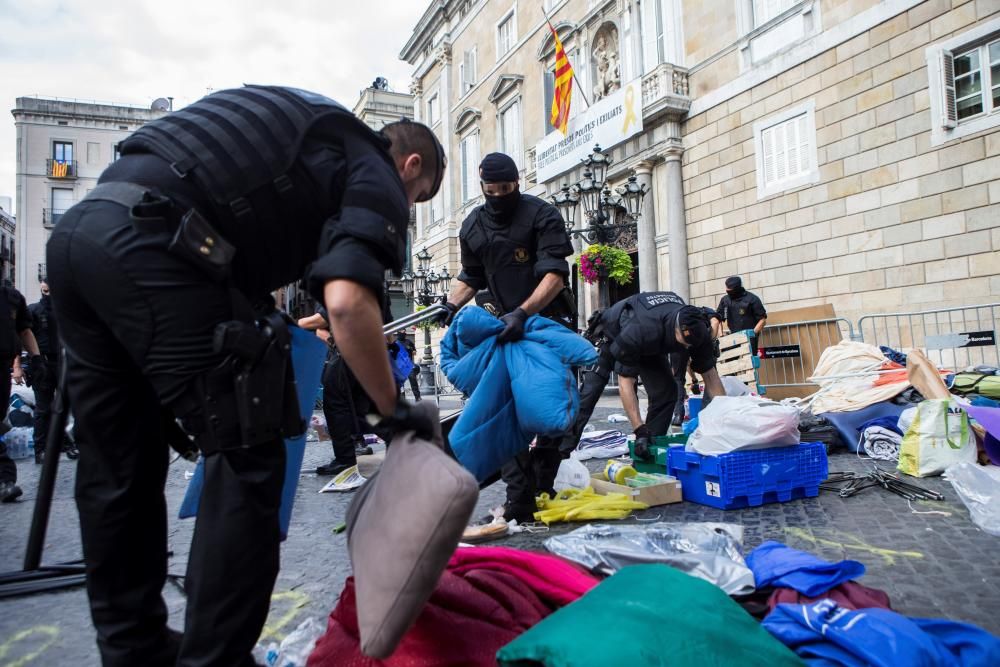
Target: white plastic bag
[572, 475]
[731, 423]
[734, 387]
[979, 488]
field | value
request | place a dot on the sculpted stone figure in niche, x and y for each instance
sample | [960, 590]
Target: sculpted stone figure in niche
[607, 66]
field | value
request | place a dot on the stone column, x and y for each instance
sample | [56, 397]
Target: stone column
[677, 226]
[648, 272]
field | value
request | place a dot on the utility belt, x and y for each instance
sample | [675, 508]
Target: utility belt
[249, 398]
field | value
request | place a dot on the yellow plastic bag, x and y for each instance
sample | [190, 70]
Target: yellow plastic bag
[584, 505]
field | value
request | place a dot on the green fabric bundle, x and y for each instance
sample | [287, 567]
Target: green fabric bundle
[649, 615]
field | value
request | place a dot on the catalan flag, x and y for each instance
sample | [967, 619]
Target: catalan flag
[563, 86]
[60, 169]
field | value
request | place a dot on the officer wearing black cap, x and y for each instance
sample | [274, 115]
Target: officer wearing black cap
[516, 245]
[161, 281]
[635, 338]
[742, 310]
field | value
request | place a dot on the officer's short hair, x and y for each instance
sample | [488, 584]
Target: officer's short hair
[408, 137]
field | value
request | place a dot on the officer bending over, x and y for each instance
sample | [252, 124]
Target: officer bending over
[515, 245]
[635, 338]
[161, 279]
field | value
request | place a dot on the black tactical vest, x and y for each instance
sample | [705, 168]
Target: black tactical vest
[233, 142]
[508, 252]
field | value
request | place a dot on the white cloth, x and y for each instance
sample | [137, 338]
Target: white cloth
[845, 394]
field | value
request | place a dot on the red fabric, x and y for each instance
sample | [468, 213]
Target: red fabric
[554, 579]
[849, 595]
[486, 598]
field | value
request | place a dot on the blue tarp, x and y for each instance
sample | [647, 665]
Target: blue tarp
[308, 354]
[824, 634]
[516, 390]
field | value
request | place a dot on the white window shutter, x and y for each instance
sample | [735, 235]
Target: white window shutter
[650, 55]
[465, 169]
[780, 157]
[473, 65]
[767, 139]
[949, 112]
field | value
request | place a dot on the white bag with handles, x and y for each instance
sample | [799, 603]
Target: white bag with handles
[732, 423]
[938, 437]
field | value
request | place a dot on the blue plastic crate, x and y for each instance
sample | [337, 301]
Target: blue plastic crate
[750, 478]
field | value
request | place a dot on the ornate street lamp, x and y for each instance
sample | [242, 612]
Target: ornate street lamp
[425, 286]
[632, 192]
[566, 200]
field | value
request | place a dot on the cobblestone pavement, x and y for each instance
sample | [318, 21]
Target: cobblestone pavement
[930, 565]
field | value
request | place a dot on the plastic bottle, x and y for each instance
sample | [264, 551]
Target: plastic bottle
[619, 471]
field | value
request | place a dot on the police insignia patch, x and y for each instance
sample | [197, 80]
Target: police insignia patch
[521, 255]
[743, 311]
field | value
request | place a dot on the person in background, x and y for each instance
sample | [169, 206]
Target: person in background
[43, 325]
[742, 310]
[634, 338]
[411, 349]
[15, 333]
[680, 362]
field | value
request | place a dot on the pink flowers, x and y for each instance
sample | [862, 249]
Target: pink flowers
[599, 262]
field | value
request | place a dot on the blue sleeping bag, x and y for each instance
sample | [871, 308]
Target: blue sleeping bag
[516, 390]
[308, 354]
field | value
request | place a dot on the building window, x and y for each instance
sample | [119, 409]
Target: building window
[510, 133]
[964, 83]
[467, 71]
[437, 208]
[116, 152]
[469, 150]
[765, 10]
[786, 150]
[976, 81]
[93, 152]
[506, 34]
[62, 151]
[433, 110]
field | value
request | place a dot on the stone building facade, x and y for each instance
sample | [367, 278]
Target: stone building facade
[829, 151]
[62, 148]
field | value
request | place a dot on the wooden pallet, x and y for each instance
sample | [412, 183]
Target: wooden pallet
[737, 359]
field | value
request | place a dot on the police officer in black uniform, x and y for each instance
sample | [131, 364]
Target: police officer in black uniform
[742, 310]
[43, 325]
[634, 338]
[15, 333]
[161, 279]
[516, 246]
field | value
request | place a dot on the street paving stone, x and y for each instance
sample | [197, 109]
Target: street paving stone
[930, 565]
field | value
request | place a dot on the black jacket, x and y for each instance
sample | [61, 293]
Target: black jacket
[511, 257]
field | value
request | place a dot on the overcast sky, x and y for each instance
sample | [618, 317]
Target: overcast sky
[133, 51]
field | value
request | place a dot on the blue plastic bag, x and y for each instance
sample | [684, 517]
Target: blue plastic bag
[308, 354]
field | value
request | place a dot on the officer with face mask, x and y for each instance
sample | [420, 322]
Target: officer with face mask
[516, 245]
[161, 280]
[742, 310]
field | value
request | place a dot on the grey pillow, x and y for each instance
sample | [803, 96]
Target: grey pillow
[402, 528]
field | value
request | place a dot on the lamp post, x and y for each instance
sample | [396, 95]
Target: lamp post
[421, 287]
[609, 215]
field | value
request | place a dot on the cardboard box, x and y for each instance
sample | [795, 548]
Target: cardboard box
[657, 494]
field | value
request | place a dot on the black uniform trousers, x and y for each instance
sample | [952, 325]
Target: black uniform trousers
[415, 380]
[345, 405]
[679, 362]
[44, 394]
[138, 324]
[8, 469]
[657, 376]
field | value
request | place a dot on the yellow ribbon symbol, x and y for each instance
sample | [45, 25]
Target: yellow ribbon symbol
[629, 110]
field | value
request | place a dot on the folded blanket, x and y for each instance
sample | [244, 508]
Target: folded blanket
[881, 443]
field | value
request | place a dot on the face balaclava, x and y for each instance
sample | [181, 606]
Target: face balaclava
[734, 287]
[500, 168]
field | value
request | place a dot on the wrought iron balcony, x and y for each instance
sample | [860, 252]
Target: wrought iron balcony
[50, 217]
[61, 169]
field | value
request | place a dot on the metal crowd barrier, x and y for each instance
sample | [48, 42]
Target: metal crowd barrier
[789, 352]
[954, 338]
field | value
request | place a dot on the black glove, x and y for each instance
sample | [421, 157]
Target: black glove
[445, 317]
[416, 417]
[643, 438]
[514, 330]
[35, 371]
